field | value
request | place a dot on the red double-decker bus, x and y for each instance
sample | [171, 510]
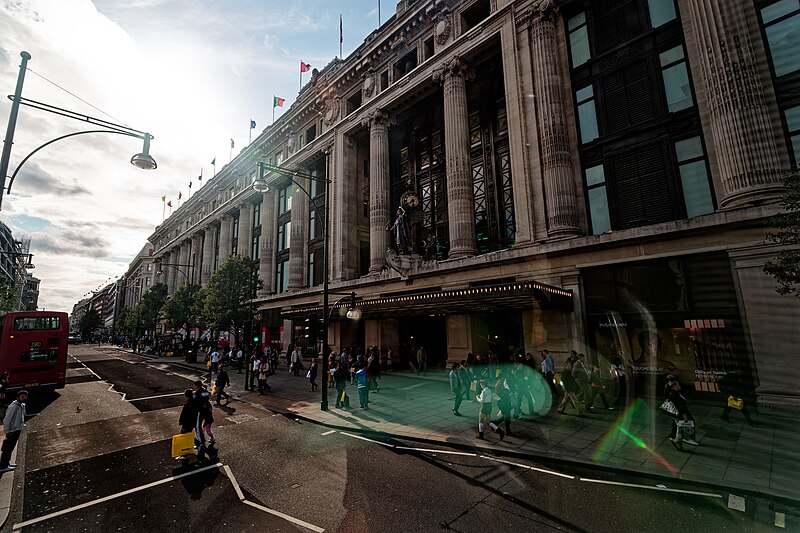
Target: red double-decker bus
[33, 349]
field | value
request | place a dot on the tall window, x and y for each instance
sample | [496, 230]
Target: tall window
[694, 177]
[282, 276]
[255, 247]
[793, 124]
[677, 88]
[782, 26]
[312, 265]
[312, 224]
[256, 214]
[578, 39]
[285, 199]
[598, 199]
[587, 114]
[661, 12]
[284, 236]
[235, 237]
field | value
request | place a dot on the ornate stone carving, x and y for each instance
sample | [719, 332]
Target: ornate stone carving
[369, 83]
[453, 68]
[332, 106]
[444, 25]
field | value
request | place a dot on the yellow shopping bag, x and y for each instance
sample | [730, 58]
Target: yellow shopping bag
[182, 444]
[735, 403]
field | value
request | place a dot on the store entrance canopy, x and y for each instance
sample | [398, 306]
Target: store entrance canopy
[508, 296]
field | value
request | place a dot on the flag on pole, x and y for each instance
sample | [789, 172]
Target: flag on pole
[200, 178]
[305, 67]
[164, 198]
[252, 124]
[180, 195]
[169, 204]
[190, 184]
[231, 143]
[213, 163]
[277, 102]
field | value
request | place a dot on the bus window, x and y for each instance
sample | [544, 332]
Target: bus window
[33, 323]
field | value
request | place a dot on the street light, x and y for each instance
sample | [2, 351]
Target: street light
[260, 185]
[141, 160]
[176, 266]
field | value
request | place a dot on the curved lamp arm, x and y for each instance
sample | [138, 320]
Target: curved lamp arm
[146, 137]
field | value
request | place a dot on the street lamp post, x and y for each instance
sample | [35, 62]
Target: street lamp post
[260, 185]
[176, 266]
[141, 160]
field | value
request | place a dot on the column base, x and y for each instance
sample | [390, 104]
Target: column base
[462, 253]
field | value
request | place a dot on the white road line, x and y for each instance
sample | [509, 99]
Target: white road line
[291, 519]
[20, 525]
[451, 452]
[529, 467]
[328, 432]
[235, 483]
[159, 396]
[368, 440]
[412, 386]
[648, 487]
[87, 368]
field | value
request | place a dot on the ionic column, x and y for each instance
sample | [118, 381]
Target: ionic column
[460, 199]
[195, 257]
[169, 272]
[298, 254]
[740, 128]
[225, 238]
[183, 259]
[208, 254]
[266, 269]
[559, 180]
[378, 189]
[245, 229]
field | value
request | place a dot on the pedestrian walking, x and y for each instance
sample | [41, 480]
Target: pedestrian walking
[548, 371]
[731, 386]
[263, 375]
[363, 390]
[521, 376]
[222, 381]
[389, 360]
[581, 374]
[239, 360]
[255, 363]
[297, 361]
[205, 416]
[485, 416]
[188, 417]
[597, 389]
[682, 418]
[312, 374]
[374, 370]
[422, 360]
[13, 422]
[215, 360]
[340, 379]
[570, 391]
[504, 405]
[455, 387]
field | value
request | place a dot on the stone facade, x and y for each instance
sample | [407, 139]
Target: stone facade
[534, 141]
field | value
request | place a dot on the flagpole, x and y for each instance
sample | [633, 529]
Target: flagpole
[340, 36]
[379, 13]
[273, 110]
[163, 210]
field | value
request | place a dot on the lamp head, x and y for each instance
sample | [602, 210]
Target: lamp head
[144, 160]
[260, 184]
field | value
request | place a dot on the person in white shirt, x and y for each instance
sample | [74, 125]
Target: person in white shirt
[485, 417]
[239, 360]
[214, 360]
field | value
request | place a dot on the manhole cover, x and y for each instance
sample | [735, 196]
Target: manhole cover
[240, 419]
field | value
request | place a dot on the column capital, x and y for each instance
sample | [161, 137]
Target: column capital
[454, 67]
[376, 117]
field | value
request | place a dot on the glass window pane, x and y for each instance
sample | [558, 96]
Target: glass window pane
[598, 209]
[696, 190]
[779, 9]
[689, 149]
[677, 87]
[784, 40]
[661, 12]
[577, 20]
[670, 56]
[588, 121]
[584, 94]
[796, 149]
[595, 175]
[793, 118]
[288, 234]
[579, 46]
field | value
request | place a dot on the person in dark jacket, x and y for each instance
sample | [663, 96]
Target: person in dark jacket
[571, 391]
[312, 374]
[222, 381]
[340, 377]
[188, 417]
[683, 415]
[504, 404]
[731, 385]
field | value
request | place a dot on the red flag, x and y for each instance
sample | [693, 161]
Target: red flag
[169, 203]
[305, 67]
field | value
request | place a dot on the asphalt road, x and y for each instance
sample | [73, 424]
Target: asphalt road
[327, 479]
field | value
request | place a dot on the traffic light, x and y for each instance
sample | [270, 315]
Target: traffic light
[255, 339]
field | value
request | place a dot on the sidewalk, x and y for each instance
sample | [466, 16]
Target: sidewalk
[764, 460]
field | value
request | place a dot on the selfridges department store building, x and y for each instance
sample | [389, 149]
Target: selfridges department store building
[518, 175]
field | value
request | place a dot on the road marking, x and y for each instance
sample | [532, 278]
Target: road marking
[529, 467]
[20, 525]
[368, 440]
[412, 386]
[159, 396]
[235, 483]
[291, 519]
[451, 452]
[648, 487]
[87, 368]
[328, 432]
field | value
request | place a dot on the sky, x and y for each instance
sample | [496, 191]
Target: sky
[193, 73]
